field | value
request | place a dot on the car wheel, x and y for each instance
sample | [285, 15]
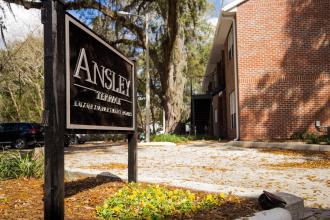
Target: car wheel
[74, 140]
[19, 143]
[81, 142]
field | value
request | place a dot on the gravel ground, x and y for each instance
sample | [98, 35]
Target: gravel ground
[209, 166]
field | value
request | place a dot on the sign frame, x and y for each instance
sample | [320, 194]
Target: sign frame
[53, 16]
[69, 18]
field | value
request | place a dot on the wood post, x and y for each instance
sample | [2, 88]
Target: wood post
[132, 139]
[54, 114]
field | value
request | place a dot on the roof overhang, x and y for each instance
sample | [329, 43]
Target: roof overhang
[220, 35]
[232, 6]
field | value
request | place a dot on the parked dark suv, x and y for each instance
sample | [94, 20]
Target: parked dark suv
[20, 135]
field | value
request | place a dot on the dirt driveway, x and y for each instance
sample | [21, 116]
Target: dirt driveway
[213, 166]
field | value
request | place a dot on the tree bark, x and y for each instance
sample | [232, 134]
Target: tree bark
[172, 78]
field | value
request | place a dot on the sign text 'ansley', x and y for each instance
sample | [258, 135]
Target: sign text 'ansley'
[106, 77]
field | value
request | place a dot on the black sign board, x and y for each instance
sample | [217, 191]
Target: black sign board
[99, 82]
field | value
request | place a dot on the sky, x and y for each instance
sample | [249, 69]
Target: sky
[213, 19]
[24, 23]
[28, 21]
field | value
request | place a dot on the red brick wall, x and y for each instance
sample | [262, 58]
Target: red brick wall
[284, 67]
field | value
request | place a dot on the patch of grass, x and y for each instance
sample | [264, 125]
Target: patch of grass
[169, 138]
[14, 164]
[137, 201]
[180, 138]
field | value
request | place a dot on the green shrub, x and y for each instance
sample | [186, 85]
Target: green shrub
[136, 201]
[297, 136]
[169, 138]
[311, 138]
[325, 139]
[15, 165]
[180, 138]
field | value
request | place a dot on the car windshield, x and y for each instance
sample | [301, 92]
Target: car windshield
[7, 127]
[24, 126]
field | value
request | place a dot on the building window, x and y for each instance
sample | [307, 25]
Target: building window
[230, 45]
[232, 110]
[216, 115]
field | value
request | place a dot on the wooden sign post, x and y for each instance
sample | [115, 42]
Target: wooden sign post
[89, 87]
[54, 114]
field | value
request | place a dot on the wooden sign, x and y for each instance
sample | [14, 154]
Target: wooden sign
[99, 82]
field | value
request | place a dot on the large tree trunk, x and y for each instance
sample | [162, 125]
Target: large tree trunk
[173, 88]
[172, 78]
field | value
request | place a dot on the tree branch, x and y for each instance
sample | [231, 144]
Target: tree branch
[136, 43]
[26, 4]
[91, 4]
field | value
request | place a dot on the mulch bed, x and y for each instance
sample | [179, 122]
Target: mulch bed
[23, 199]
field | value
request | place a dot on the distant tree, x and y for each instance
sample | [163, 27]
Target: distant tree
[21, 80]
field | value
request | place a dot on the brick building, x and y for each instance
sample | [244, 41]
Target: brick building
[268, 76]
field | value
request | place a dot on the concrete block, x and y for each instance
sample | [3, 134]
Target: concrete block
[294, 204]
[324, 147]
[278, 145]
[272, 214]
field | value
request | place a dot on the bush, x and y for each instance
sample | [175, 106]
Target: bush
[180, 138]
[311, 138]
[325, 139]
[136, 201]
[297, 136]
[16, 165]
[169, 138]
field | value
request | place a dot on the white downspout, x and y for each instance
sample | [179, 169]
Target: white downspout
[235, 75]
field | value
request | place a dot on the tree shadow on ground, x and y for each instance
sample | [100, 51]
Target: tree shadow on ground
[104, 147]
[298, 92]
[77, 186]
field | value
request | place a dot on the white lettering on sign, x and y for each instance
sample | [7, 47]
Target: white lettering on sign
[108, 98]
[79, 66]
[95, 107]
[105, 76]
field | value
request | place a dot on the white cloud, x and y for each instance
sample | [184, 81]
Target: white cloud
[213, 21]
[25, 22]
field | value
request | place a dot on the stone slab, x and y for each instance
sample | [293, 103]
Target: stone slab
[272, 214]
[286, 145]
[294, 204]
